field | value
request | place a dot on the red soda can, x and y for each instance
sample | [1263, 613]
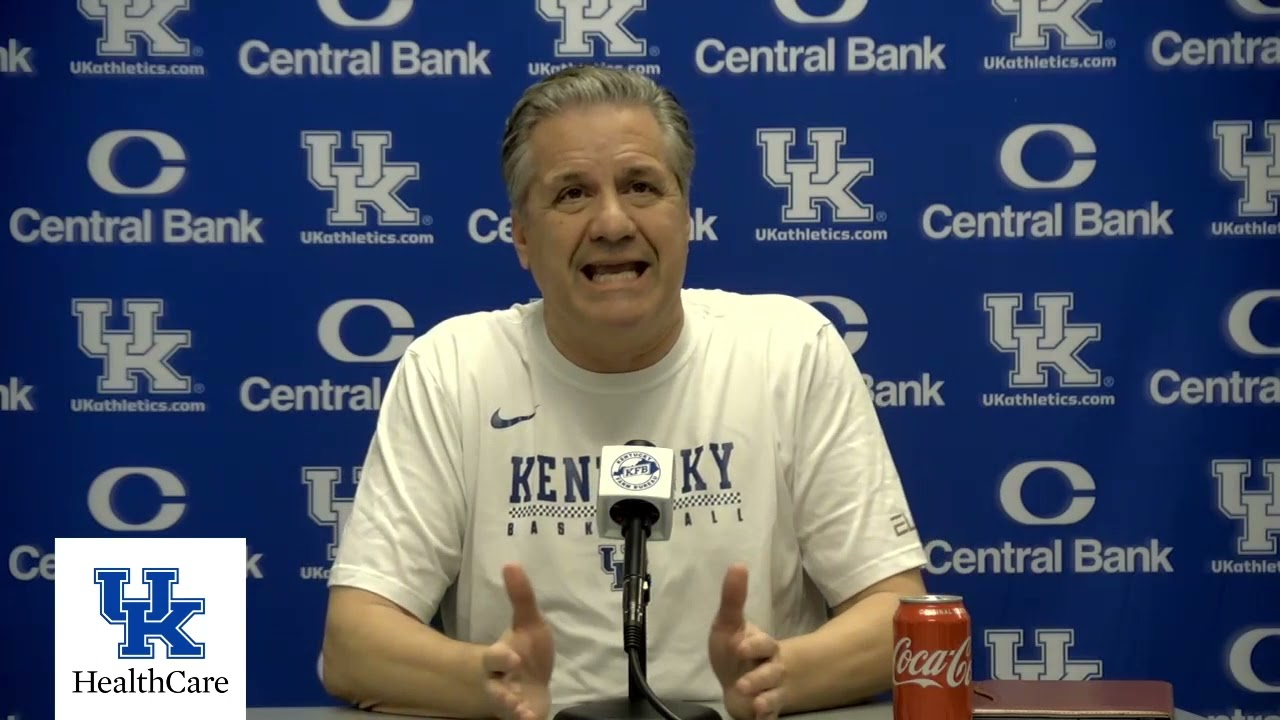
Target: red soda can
[932, 659]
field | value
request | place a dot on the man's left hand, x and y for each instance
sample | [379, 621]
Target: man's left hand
[745, 659]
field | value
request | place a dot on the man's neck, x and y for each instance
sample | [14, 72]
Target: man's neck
[605, 353]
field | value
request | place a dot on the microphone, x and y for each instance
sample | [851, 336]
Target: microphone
[634, 504]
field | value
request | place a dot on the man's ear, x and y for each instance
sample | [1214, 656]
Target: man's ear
[519, 239]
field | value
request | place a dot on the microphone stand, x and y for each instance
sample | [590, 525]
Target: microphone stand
[641, 703]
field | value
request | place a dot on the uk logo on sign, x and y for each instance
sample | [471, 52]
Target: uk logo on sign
[365, 193]
[824, 179]
[595, 30]
[591, 26]
[1045, 353]
[1049, 346]
[326, 505]
[1039, 22]
[1051, 658]
[1051, 36]
[138, 355]
[150, 628]
[1248, 493]
[137, 37]
[156, 619]
[1253, 172]
[136, 361]
[819, 181]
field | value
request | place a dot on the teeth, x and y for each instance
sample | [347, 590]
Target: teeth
[609, 277]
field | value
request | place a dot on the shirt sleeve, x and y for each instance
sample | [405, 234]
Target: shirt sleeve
[403, 539]
[854, 523]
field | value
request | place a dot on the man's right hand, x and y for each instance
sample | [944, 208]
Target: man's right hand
[518, 666]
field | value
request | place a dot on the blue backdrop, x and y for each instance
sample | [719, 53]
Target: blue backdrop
[1049, 228]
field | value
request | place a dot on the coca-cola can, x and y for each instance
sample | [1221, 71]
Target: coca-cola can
[932, 659]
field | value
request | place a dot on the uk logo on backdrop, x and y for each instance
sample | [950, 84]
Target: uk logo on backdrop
[150, 628]
[597, 32]
[139, 38]
[1046, 348]
[366, 182]
[1051, 36]
[136, 360]
[1042, 654]
[1247, 491]
[819, 182]
[1247, 157]
[330, 498]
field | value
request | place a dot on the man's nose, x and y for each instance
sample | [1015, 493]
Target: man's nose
[612, 221]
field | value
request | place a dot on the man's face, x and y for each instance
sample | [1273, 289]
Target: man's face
[604, 227]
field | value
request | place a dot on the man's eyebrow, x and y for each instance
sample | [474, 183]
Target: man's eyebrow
[563, 176]
[639, 170]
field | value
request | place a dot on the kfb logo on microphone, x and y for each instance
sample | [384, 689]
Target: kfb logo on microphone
[151, 628]
[636, 470]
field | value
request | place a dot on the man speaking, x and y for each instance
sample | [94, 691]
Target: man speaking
[790, 538]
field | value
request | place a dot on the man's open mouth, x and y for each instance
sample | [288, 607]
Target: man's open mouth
[614, 272]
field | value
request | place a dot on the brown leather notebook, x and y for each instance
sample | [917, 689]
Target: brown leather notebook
[1061, 699]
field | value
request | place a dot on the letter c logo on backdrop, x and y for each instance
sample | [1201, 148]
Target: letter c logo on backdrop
[1258, 7]
[102, 159]
[792, 11]
[1077, 477]
[1077, 140]
[394, 14]
[1240, 324]
[1240, 660]
[330, 330]
[102, 499]
[854, 317]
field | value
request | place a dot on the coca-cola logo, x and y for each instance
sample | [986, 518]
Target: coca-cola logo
[931, 668]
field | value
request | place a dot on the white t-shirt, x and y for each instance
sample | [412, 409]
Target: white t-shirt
[486, 451]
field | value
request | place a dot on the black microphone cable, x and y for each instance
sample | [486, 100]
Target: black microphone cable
[635, 529]
[649, 695]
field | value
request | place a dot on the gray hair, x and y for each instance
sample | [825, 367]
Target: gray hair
[583, 85]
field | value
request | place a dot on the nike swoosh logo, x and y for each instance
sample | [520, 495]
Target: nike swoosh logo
[499, 423]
